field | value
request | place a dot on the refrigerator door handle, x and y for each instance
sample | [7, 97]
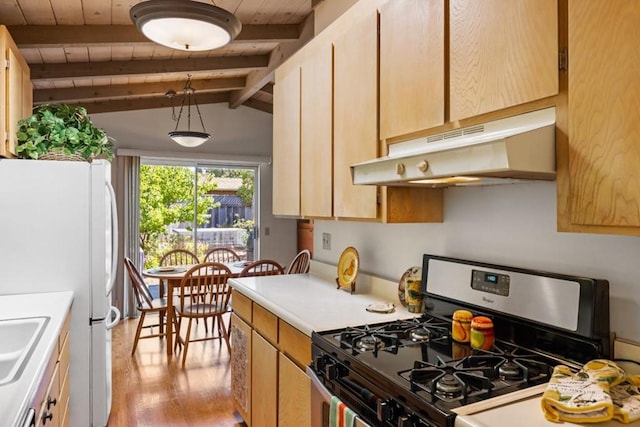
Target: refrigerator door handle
[110, 324]
[114, 239]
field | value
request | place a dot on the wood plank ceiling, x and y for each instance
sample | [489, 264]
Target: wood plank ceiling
[88, 52]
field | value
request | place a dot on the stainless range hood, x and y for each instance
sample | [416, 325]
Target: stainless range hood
[504, 151]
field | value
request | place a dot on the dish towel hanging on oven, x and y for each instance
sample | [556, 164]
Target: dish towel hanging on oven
[582, 397]
[340, 415]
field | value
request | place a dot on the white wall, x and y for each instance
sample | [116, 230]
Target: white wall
[238, 134]
[511, 225]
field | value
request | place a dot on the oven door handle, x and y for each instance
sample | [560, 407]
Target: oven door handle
[317, 385]
[319, 395]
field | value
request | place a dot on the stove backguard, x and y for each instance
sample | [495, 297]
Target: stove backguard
[566, 316]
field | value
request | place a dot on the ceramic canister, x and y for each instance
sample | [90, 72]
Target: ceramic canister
[413, 294]
[461, 325]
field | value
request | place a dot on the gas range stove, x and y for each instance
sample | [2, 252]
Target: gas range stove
[412, 373]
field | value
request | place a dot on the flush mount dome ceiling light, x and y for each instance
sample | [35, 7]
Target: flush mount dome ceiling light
[185, 24]
[187, 138]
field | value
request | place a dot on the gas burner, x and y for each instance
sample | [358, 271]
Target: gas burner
[510, 370]
[449, 386]
[448, 382]
[420, 334]
[369, 339]
[511, 363]
[368, 343]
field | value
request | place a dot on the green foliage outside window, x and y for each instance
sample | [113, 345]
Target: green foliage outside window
[166, 197]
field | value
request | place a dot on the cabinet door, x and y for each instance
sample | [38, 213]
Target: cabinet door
[264, 382]
[604, 113]
[286, 142]
[316, 133]
[355, 116]
[241, 367]
[502, 53]
[15, 94]
[412, 53]
[294, 394]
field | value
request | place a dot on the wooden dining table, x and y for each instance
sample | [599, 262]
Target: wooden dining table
[174, 278]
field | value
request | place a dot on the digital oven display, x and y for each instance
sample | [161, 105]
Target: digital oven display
[493, 283]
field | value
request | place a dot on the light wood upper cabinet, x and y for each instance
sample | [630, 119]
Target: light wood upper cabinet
[604, 117]
[286, 142]
[355, 116]
[16, 92]
[412, 66]
[316, 142]
[502, 53]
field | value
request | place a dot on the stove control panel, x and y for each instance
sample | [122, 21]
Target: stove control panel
[493, 283]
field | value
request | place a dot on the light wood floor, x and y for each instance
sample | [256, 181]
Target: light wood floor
[150, 391]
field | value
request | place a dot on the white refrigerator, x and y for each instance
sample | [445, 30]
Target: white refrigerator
[58, 231]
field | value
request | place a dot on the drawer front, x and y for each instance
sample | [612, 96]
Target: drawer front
[241, 305]
[266, 323]
[295, 344]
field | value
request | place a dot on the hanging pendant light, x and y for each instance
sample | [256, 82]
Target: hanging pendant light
[187, 138]
[185, 24]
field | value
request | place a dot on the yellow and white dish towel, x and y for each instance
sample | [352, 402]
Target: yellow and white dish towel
[582, 397]
[626, 400]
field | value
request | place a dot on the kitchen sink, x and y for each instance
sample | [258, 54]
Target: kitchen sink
[18, 338]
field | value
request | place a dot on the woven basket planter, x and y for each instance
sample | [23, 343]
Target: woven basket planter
[52, 155]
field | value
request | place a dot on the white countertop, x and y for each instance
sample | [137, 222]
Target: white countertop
[15, 397]
[310, 303]
[526, 413]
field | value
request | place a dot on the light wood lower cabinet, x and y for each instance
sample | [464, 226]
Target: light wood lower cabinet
[264, 382]
[294, 394]
[52, 396]
[268, 357]
[241, 367]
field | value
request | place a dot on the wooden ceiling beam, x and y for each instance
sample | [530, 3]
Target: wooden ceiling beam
[268, 88]
[259, 78]
[148, 103]
[127, 90]
[259, 105]
[89, 70]
[43, 36]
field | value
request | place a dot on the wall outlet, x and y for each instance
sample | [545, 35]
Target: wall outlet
[326, 241]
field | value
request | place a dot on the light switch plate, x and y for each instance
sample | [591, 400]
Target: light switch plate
[326, 241]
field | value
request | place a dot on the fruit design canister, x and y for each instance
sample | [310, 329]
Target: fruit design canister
[482, 335]
[461, 325]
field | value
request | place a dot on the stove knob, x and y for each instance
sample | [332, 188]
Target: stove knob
[386, 410]
[409, 421]
[321, 363]
[333, 371]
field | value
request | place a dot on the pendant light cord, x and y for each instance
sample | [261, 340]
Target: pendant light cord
[187, 92]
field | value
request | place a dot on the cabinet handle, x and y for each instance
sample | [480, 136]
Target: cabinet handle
[47, 416]
[51, 402]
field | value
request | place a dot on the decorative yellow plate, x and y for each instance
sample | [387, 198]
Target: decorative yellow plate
[413, 274]
[348, 268]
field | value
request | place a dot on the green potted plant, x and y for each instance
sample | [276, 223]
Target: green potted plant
[64, 132]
